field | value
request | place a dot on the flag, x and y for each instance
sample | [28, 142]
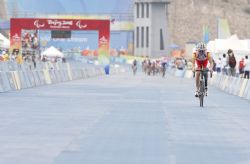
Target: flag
[223, 29]
[205, 34]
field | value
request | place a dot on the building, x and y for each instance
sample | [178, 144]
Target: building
[151, 28]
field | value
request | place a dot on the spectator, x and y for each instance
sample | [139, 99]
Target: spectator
[180, 63]
[64, 60]
[43, 59]
[19, 59]
[231, 62]
[241, 67]
[246, 68]
[214, 65]
[224, 64]
[219, 65]
[5, 56]
[34, 60]
[1, 58]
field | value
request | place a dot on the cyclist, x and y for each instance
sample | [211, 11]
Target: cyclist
[134, 66]
[201, 57]
[163, 66]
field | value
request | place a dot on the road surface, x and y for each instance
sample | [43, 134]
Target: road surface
[123, 119]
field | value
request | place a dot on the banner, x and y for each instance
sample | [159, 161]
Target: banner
[122, 26]
[102, 26]
[223, 29]
[206, 34]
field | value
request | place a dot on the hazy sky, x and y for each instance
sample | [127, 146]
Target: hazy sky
[71, 6]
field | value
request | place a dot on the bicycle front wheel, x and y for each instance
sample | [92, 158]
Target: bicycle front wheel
[202, 92]
[201, 100]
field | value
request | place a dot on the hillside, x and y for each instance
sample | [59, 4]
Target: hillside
[187, 17]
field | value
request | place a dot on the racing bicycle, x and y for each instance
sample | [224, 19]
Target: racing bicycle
[201, 89]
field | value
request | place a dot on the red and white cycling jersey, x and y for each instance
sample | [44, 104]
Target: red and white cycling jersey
[202, 59]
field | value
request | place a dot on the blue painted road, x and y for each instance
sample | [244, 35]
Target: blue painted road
[123, 119]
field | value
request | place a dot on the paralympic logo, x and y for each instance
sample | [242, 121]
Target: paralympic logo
[78, 24]
[36, 23]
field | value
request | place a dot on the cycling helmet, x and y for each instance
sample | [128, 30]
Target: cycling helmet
[201, 46]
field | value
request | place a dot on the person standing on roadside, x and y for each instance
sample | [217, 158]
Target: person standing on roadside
[231, 62]
[246, 68]
[224, 64]
[218, 66]
[241, 68]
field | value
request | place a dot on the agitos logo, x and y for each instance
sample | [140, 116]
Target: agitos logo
[78, 24]
[36, 23]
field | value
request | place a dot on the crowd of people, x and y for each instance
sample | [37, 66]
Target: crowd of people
[5, 55]
[228, 65]
[28, 57]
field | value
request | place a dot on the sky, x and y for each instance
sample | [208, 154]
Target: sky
[94, 7]
[71, 6]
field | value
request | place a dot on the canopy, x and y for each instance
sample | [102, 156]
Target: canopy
[52, 52]
[222, 45]
[211, 46]
[4, 43]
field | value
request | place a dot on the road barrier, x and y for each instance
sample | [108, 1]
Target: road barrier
[16, 77]
[246, 93]
[232, 85]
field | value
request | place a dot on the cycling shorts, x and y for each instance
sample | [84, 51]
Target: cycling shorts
[201, 64]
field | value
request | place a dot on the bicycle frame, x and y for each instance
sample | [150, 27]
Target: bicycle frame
[201, 89]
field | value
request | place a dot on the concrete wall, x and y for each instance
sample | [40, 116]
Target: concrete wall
[16, 77]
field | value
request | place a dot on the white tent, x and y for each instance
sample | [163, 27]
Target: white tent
[211, 46]
[5, 43]
[222, 45]
[52, 52]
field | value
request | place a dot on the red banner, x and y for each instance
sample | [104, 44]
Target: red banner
[102, 26]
